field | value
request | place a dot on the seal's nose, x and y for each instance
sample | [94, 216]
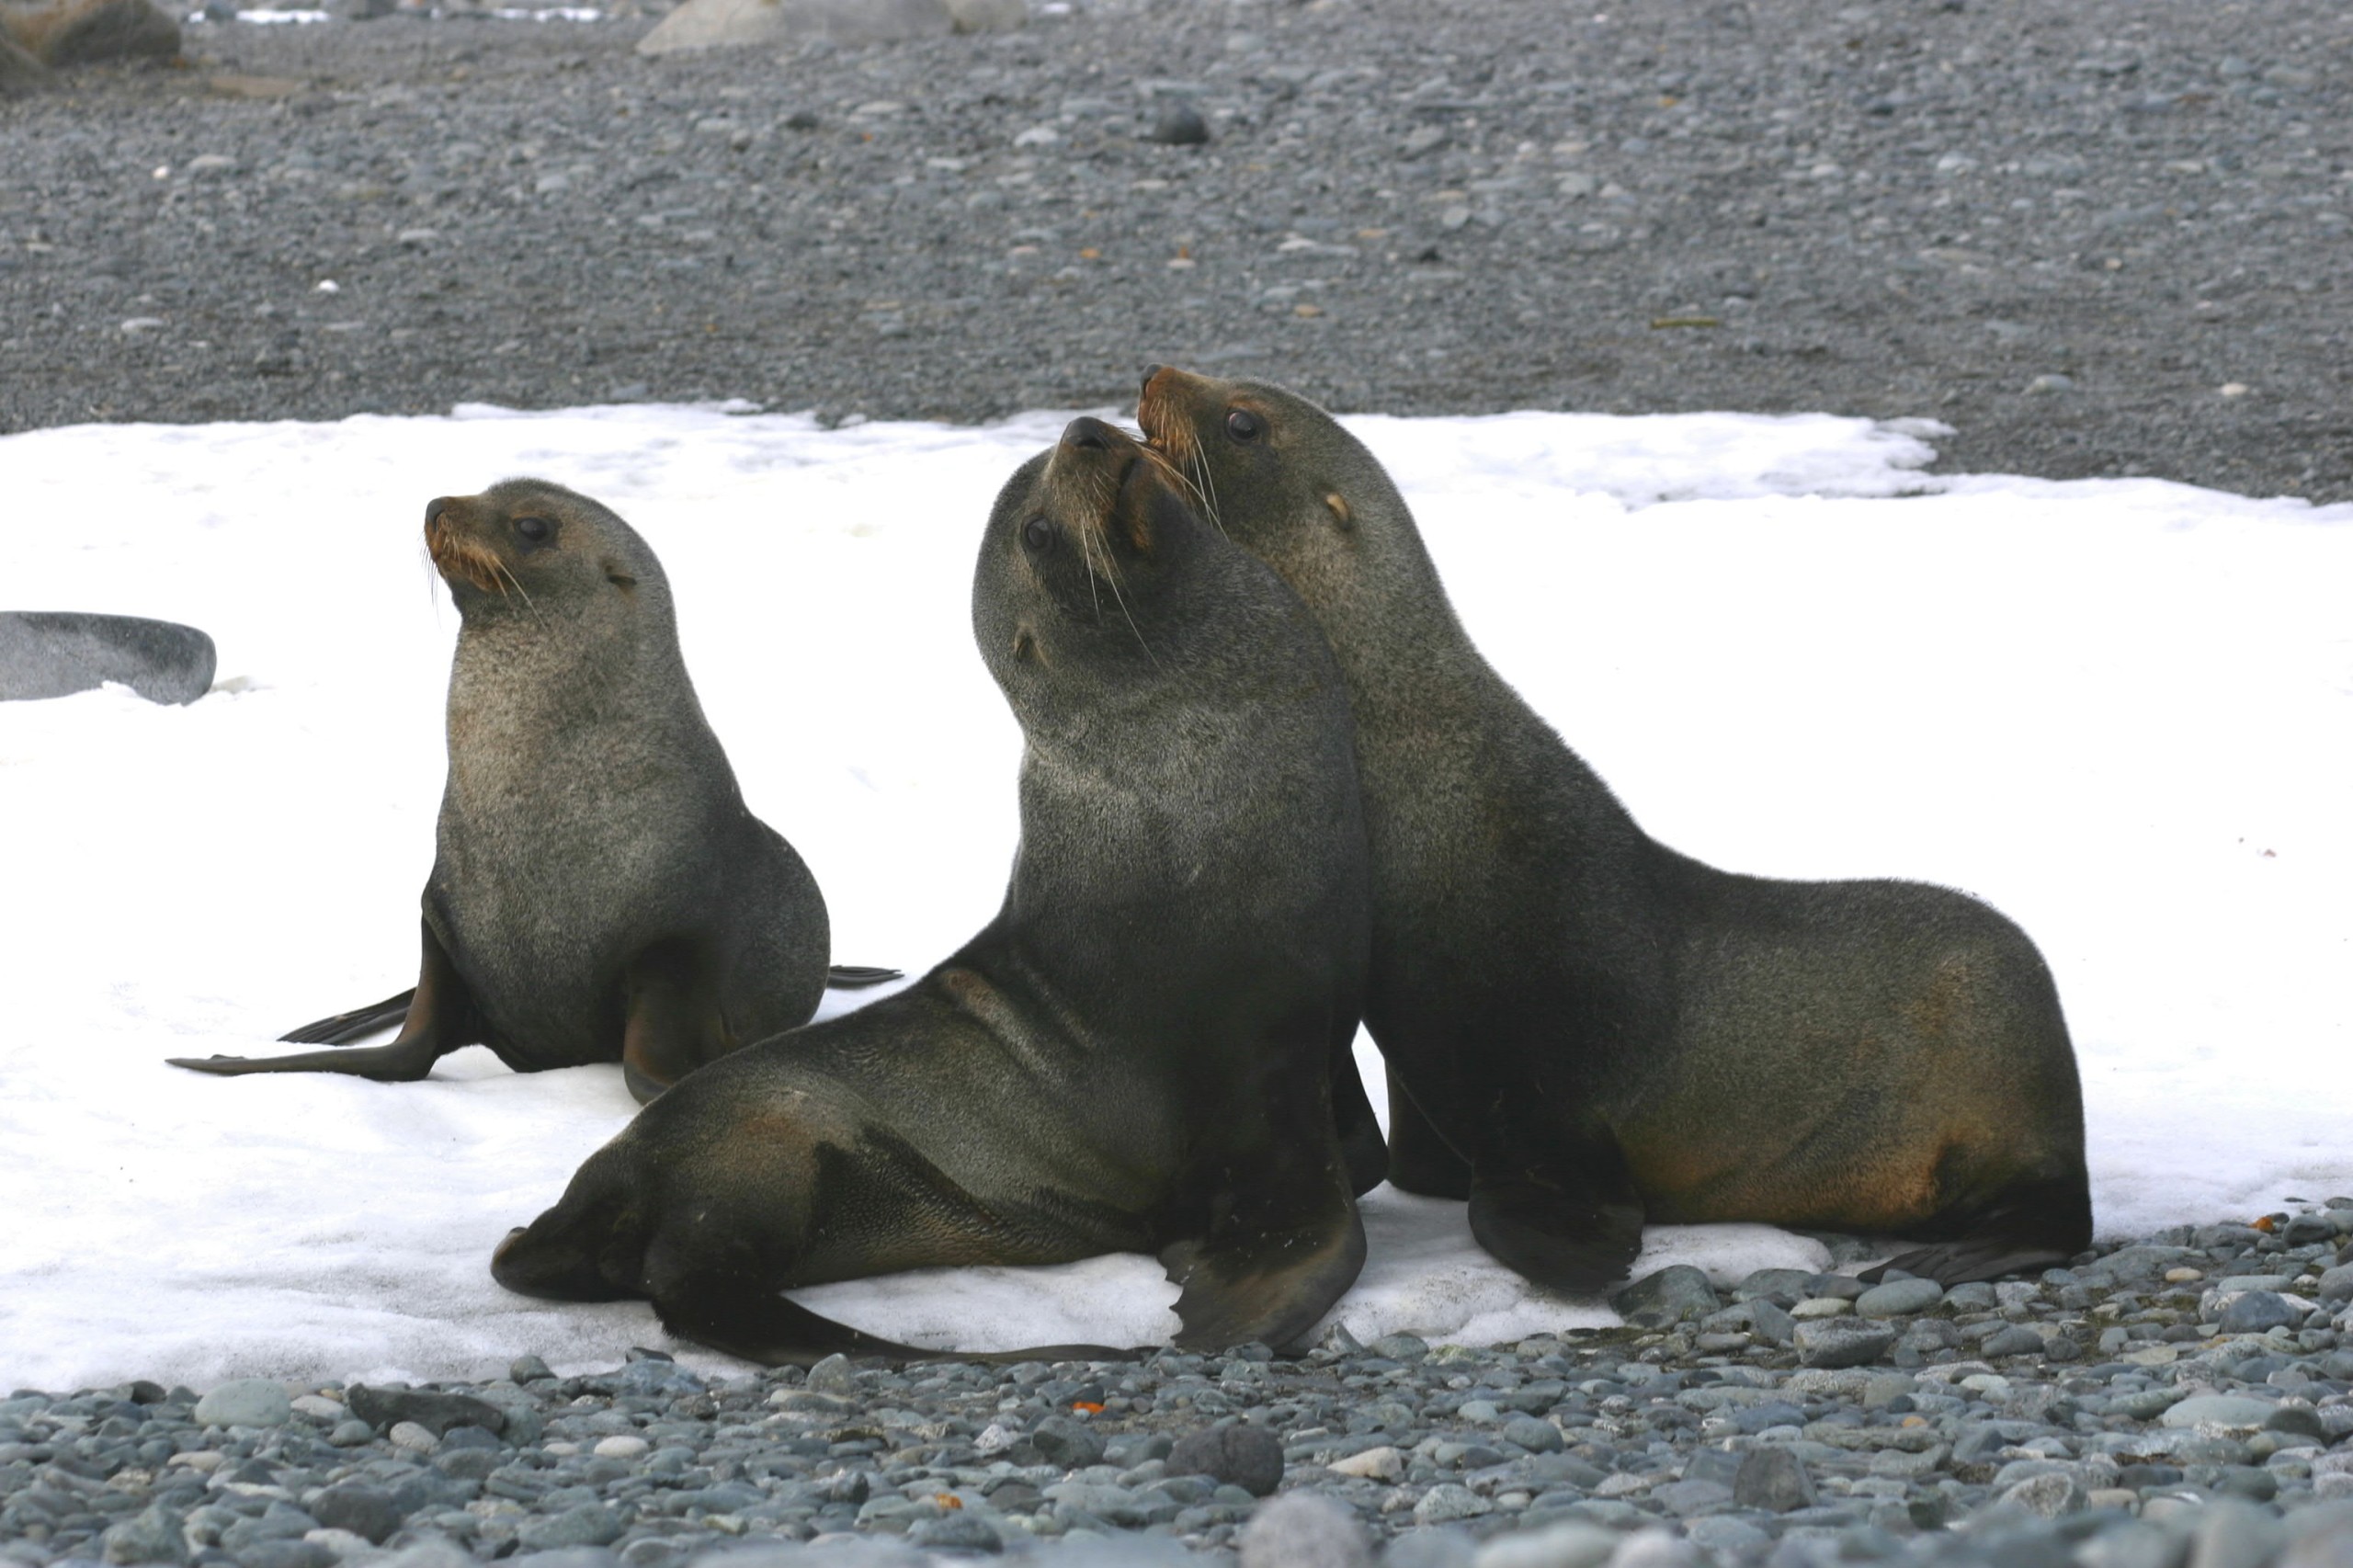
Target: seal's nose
[1089, 434]
[1149, 373]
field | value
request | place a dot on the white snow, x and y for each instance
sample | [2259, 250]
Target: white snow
[2118, 709]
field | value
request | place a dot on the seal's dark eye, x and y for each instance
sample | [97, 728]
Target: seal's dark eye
[1243, 424]
[1037, 533]
[534, 530]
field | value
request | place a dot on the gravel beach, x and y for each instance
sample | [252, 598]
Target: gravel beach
[2106, 238]
[2181, 1401]
[2093, 236]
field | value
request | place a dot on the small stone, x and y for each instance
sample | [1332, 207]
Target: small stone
[366, 1511]
[2047, 1496]
[1686, 1498]
[1843, 1342]
[2337, 1284]
[2015, 1340]
[1072, 1445]
[1179, 125]
[1898, 1298]
[2047, 385]
[416, 1439]
[1248, 1456]
[2252, 1311]
[2225, 1410]
[1446, 1502]
[1774, 1479]
[1669, 1296]
[527, 1369]
[1814, 1307]
[832, 1375]
[2234, 1535]
[1304, 1530]
[250, 1402]
[959, 1530]
[437, 1413]
[152, 1535]
[1382, 1464]
[1570, 1544]
[1399, 1347]
[589, 1524]
[1771, 1321]
[622, 1446]
[2297, 1420]
[1534, 1433]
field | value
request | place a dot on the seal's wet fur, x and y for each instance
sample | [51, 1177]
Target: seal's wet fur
[1585, 1029]
[1134, 1055]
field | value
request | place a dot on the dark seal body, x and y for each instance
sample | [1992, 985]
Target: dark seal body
[1134, 1055]
[599, 892]
[1584, 1028]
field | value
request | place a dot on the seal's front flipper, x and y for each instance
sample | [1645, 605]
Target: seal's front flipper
[759, 1326]
[1571, 1223]
[1419, 1160]
[1285, 1243]
[858, 976]
[439, 1019]
[342, 1028]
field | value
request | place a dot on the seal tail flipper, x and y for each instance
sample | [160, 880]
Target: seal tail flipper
[858, 976]
[762, 1327]
[342, 1028]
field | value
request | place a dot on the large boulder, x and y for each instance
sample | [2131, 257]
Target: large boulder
[736, 24]
[77, 32]
[59, 653]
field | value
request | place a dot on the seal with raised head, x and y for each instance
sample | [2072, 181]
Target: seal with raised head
[1135, 1055]
[1585, 1029]
[599, 892]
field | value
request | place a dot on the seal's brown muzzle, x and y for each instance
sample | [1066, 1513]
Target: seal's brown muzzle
[457, 555]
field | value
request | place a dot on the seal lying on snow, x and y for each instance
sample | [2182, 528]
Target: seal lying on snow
[1136, 1055]
[599, 892]
[1586, 1029]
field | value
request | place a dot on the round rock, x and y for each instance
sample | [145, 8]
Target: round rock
[248, 1402]
[1898, 1298]
[1304, 1530]
[1842, 1342]
[1248, 1456]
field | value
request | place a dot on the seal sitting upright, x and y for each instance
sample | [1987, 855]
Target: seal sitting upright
[1136, 1055]
[598, 891]
[1585, 1029]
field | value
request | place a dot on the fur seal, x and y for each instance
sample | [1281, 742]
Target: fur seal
[1134, 1056]
[1586, 1029]
[599, 892]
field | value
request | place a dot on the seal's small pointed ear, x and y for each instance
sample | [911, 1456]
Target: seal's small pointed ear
[1339, 505]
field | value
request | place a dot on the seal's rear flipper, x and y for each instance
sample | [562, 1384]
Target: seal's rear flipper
[2035, 1226]
[342, 1028]
[403, 1061]
[761, 1326]
[858, 976]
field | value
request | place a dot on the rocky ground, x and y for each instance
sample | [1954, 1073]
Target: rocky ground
[2095, 236]
[2178, 1403]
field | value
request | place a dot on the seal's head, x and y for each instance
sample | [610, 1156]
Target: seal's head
[1281, 477]
[525, 545]
[1094, 572]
